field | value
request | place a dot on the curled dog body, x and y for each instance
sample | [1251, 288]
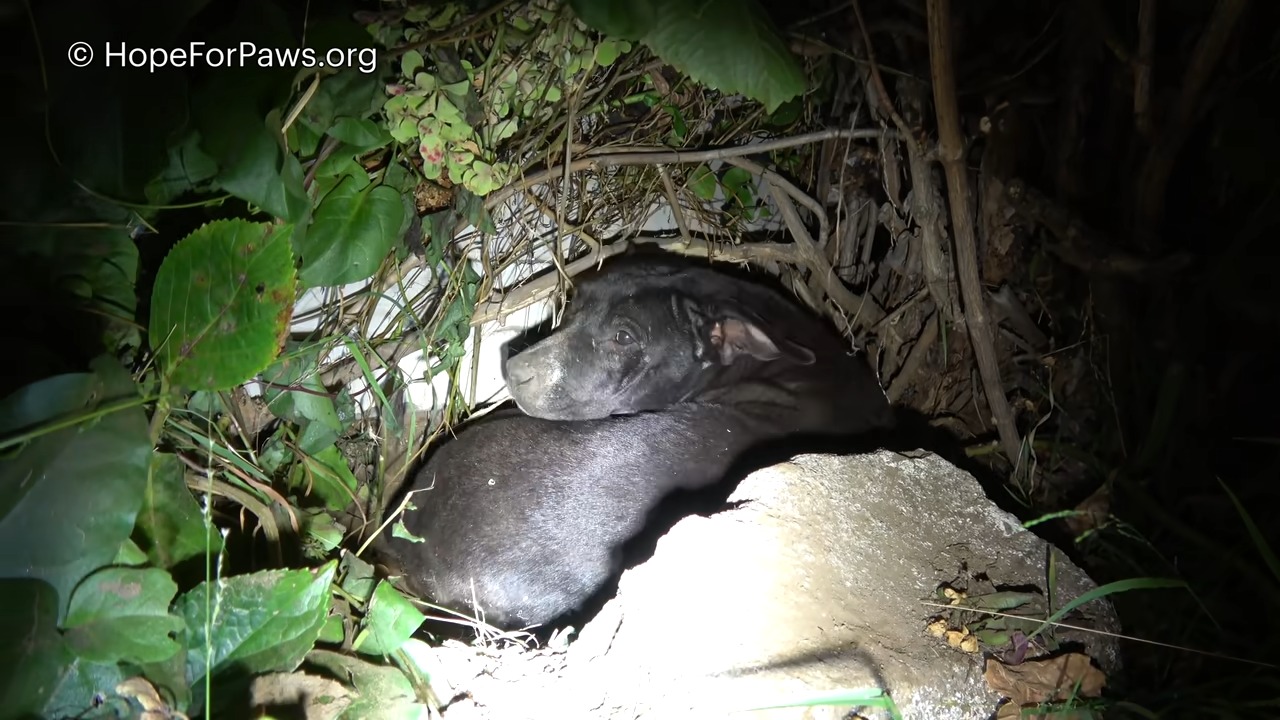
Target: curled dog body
[661, 375]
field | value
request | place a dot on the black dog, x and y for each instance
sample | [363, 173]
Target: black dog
[662, 374]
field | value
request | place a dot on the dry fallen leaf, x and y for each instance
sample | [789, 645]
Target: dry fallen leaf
[1046, 680]
[1010, 711]
[145, 694]
[954, 637]
[1094, 511]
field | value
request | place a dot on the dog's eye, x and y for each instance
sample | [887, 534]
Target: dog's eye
[623, 338]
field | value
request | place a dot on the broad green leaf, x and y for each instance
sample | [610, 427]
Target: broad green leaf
[90, 272]
[315, 437]
[39, 677]
[221, 303]
[189, 167]
[362, 134]
[388, 622]
[352, 233]
[629, 20]
[358, 577]
[170, 522]
[738, 186]
[339, 166]
[382, 692]
[348, 94]
[729, 45]
[502, 130]
[256, 171]
[32, 653]
[115, 149]
[228, 110]
[81, 688]
[122, 614]
[302, 140]
[130, 554]
[333, 632]
[322, 533]
[786, 114]
[69, 498]
[735, 178]
[265, 621]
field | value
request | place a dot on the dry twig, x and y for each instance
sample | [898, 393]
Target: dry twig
[951, 150]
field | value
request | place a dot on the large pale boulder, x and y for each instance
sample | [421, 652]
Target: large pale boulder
[815, 582]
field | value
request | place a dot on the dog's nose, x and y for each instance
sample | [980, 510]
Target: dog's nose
[519, 372]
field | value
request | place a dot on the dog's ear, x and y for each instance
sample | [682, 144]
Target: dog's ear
[734, 336]
[723, 336]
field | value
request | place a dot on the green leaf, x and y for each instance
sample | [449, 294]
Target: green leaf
[388, 622]
[189, 167]
[458, 89]
[1005, 600]
[122, 614]
[315, 437]
[323, 534]
[382, 691]
[266, 621]
[1143, 583]
[81, 687]
[294, 391]
[170, 522]
[333, 632]
[679, 128]
[71, 496]
[738, 186]
[352, 233]
[130, 554]
[362, 134]
[90, 271]
[448, 112]
[629, 20]
[327, 476]
[32, 654]
[405, 131]
[410, 63]
[116, 148]
[735, 178]
[221, 302]
[252, 168]
[349, 94]
[702, 182]
[334, 168]
[502, 130]
[302, 140]
[786, 114]
[729, 45]
[608, 51]
[358, 577]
